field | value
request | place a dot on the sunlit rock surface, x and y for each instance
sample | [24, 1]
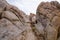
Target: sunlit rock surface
[14, 23]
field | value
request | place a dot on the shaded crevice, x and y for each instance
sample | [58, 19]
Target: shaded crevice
[0, 15]
[58, 33]
[39, 36]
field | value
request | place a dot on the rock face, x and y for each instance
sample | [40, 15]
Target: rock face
[14, 23]
[48, 20]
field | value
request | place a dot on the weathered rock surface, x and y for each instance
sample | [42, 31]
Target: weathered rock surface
[14, 23]
[48, 20]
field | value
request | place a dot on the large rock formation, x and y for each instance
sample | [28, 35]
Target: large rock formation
[48, 20]
[14, 23]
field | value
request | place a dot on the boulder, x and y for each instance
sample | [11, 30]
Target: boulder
[48, 19]
[14, 23]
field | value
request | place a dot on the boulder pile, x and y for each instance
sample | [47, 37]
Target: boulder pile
[16, 25]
